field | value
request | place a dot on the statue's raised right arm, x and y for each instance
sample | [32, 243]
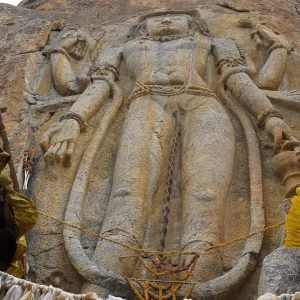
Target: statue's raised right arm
[58, 143]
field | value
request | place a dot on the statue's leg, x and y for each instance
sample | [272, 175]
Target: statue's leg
[208, 147]
[139, 163]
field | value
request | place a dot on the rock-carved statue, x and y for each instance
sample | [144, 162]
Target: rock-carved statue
[175, 124]
[70, 62]
[70, 55]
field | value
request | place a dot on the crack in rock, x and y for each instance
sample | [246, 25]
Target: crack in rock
[230, 6]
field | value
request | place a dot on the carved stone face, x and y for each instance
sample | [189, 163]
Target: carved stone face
[167, 25]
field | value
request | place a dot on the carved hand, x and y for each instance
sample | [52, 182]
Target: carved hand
[270, 36]
[70, 39]
[68, 43]
[58, 142]
[283, 138]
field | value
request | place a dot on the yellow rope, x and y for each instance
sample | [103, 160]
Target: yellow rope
[221, 245]
[174, 288]
[145, 284]
[90, 232]
[163, 281]
[141, 250]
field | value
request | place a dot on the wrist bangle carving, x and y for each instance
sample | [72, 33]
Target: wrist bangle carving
[277, 45]
[104, 69]
[263, 117]
[233, 65]
[57, 51]
[74, 116]
[230, 61]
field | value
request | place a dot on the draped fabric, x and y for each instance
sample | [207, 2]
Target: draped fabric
[25, 212]
[25, 215]
[269, 296]
[13, 288]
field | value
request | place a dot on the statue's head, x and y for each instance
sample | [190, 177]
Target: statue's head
[166, 23]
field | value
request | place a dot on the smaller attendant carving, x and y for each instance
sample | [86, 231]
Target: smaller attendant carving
[280, 267]
[71, 62]
[277, 46]
[71, 58]
[285, 164]
[271, 74]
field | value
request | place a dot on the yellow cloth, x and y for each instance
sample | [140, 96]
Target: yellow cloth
[25, 214]
[17, 265]
[292, 225]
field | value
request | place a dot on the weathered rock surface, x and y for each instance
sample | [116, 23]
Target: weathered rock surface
[280, 272]
[26, 28]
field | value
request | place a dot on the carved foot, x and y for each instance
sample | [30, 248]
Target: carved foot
[209, 265]
[107, 284]
[115, 259]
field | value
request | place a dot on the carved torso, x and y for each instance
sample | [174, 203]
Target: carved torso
[176, 62]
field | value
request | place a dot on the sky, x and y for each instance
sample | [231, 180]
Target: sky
[13, 2]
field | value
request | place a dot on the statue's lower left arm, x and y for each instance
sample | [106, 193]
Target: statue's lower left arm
[59, 141]
[234, 77]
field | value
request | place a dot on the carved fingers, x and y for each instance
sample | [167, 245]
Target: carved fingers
[46, 137]
[58, 143]
[282, 135]
[270, 36]
[291, 143]
[284, 141]
[69, 43]
[69, 39]
[267, 33]
[74, 38]
[60, 153]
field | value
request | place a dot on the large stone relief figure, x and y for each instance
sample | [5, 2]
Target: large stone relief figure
[175, 158]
